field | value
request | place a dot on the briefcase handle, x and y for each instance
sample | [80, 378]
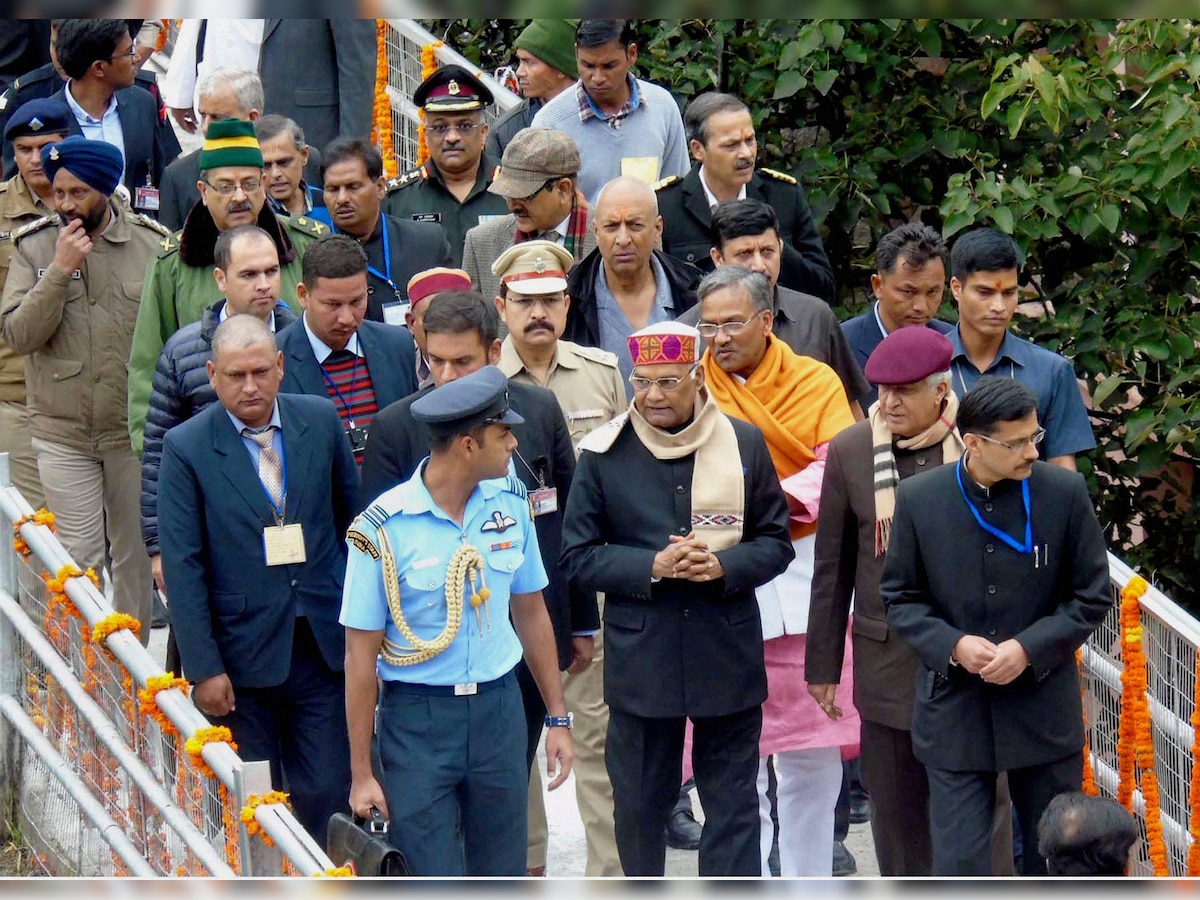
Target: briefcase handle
[377, 824]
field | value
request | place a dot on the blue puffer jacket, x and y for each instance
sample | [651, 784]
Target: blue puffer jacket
[181, 390]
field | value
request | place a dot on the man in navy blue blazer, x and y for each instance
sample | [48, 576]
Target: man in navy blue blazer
[258, 491]
[909, 283]
[334, 352]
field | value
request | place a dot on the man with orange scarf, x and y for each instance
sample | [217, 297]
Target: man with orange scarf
[799, 404]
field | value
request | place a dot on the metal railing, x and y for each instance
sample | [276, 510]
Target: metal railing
[92, 785]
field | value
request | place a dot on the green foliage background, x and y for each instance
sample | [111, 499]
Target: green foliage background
[1077, 136]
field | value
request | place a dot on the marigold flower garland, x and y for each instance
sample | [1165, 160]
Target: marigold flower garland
[148, 702]
[382, 110]
[114, 622]
[1089, 776]
[339, 872]
[213, 734]
[429, 65]
[1135, 742]
[253, 802]
[42, 517]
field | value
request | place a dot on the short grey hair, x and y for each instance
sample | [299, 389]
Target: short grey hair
[755, 284]
[273, 125]
[245, 84]
[932, 381]
[239, 332]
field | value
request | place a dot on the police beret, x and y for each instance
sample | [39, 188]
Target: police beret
[452, 88]
[425, 284]
[907, 355]
[47, 115]
[480, 398]
[97, 164]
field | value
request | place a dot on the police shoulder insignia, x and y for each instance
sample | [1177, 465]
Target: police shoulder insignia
[778, 176]
[170, 243]
[361, 542]
[667, 182]
[152, 224]
[595, 354]
[35, 225]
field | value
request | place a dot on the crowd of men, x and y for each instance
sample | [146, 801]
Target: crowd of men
[556, 433]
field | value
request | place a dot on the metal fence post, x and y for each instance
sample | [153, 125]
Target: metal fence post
[10, 680]
[257, 858]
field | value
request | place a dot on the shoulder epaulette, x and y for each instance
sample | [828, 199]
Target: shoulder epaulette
[364, 530]
[513, 485]
[3, 186]
[409, 177]
[147, 222]
[667, 182]
[169, 244]
[595, 354]
[778, 176]
[308, 225]
[600, 440]
[35, 225]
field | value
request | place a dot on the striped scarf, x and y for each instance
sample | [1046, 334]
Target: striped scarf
[577, 224]
[942, 431]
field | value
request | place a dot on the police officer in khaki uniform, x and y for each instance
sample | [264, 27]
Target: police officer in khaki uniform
[24, 198]
[451, 188]
[70, 301]
[533, 303]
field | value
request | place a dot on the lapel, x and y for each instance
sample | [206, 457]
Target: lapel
[238, 467]
[754, 189]
[135, 152]
[694, 199]
[302, 367]
[381, 375]
[297, 453]
[268, 28]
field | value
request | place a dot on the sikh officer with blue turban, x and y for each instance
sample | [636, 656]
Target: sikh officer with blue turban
[70, 303]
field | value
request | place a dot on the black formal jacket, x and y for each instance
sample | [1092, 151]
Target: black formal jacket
[390, 358]
[397, 443]
[687, 220]
[863, 334]
[673, 647]
[414, 246]
[944, 576]
[583, 316]
[231, 612]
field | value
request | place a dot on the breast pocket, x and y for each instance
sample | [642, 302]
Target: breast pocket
[583, 422]
[54, 385]
[502, 565]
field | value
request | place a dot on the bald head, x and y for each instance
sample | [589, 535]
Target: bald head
[246, 369]
[628, 229]
[240, 332]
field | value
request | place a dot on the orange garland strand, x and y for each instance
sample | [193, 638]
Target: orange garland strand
[114, 622]
[1193, 860]
[382, 111]
[1135, 743]
[213, 734]
[253, 802]
[1089, 776]
[148, 703]
[429, 65]
[339, 872]
[42, 517]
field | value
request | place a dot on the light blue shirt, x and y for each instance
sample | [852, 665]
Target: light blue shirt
[107, 128]
[251, 447]
[323, 351]
[1060, 405]
[615, 328]
[423, 538]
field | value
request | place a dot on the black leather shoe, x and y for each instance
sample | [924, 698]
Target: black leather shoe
[683, 831]
[860, 809]
[844, 863]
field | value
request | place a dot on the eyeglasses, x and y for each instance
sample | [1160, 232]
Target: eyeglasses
[1017, 446]
[549, 301]
[545, 187]
[226, 188]
[466, 129]
[670, 383]
[711, 329]
[131, 53]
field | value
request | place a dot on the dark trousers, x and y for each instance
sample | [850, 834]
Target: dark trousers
[899, 792]
[455, 777]
[300, 728]
[645, 764]
[962, 805]
[535, 711]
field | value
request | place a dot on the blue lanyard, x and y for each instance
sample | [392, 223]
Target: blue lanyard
[1027, 547]
[386, 275]
[333, 387]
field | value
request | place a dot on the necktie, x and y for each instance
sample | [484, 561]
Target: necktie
[270, 467]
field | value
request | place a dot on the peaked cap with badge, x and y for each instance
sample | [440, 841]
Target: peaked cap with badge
[480, 398]
[48, 115]
[452, 88]
[534, 267]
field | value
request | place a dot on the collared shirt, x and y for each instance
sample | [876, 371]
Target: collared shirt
[1060, 405]
[497, 522]
[322, 351]
[107, 128]
[279, 207]
[712, 199]
[558, 233]
[589, 110]
[424, 373]
[615, 328]
[251, 447]
[224, 314]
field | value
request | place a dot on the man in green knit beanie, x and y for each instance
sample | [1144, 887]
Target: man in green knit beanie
[546, 56]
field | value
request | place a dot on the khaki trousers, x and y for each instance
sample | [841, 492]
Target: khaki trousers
[16, 439]
[95, 496]
[584, 694]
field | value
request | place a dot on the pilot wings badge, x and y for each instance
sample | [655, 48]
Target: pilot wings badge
[498, 522]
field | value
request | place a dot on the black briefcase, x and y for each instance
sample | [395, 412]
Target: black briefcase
[364, 847]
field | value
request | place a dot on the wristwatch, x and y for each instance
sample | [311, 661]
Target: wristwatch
[560, 721]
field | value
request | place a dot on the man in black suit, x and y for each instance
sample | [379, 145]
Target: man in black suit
[352, 172]
[98, 57]
[251, 533]
[677, 515]
[461, 337]
[996, 573]
[332, 351]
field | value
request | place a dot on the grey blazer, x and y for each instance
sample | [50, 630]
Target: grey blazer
[487, 241]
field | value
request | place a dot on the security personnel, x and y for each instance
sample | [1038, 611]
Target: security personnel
[451, 188]
[587, 384]
[722, 141]
[435, 567]
[24, 198]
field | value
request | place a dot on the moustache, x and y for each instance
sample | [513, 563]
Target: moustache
[538, 326]
[244, 206]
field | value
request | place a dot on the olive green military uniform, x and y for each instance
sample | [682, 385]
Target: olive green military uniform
[76, 328]
[422, 196]
[19, 206]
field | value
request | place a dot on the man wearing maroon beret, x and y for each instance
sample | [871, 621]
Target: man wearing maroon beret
[909, 430]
